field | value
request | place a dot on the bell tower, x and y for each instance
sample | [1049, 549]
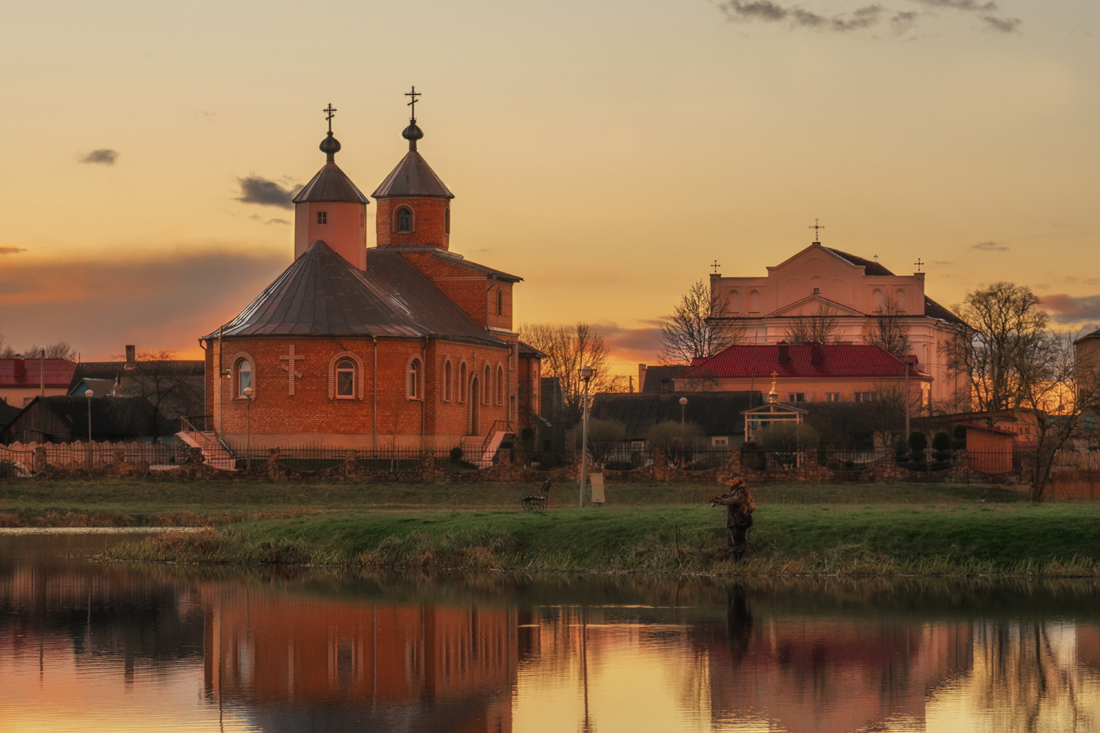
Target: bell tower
[331, 209]
[414, 207]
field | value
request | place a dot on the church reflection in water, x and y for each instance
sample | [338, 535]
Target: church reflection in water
[282, 654]
[433, 666]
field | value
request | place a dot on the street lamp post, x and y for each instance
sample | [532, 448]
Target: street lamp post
[89, 394]
[248, 422]
[586, 375]
[683, 410]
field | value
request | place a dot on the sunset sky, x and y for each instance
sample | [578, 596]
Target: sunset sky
[605, 152]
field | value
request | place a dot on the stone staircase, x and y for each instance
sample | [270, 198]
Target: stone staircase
[473, 452]
[214, 454]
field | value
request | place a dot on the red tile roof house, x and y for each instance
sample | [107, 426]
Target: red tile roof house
[808, 373]
[21, 380]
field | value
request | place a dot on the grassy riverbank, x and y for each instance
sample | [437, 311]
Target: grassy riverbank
[787, 539]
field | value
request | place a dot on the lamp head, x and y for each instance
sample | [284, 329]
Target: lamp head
[89, 394]
[586, 373]
[683, 401]
[248, 392]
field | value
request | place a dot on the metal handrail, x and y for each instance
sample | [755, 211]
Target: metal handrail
[492, 430]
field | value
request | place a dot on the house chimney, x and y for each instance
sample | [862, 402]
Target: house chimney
[20, 366]
[42, 374]
[784, 352]
[641, 376]
[817, 353]
[131, 357]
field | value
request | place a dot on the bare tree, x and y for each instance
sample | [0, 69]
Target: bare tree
[821, 326]
[1005, 327]
[568, 349]
[1062, 387]
[6, 351]
[56, 350]
[171, 388]
[890, 330]
[700, 326]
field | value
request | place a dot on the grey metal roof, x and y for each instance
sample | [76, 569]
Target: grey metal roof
[330, 184]
[655, 376]
[322, 294]
[870, 266]
[452, 258]
[413, 177]
[716, 413]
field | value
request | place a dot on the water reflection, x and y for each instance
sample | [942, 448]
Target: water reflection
[92, 647]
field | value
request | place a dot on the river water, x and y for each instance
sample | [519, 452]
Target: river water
[87, 646]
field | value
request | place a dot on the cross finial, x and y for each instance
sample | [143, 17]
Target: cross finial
[716, 266]
[816, 227]
[330, 112]
[413, 95]
[918, 263]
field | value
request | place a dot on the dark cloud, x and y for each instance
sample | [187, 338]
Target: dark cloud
[256, 190]
[969, 5]
[904, 21]
[942, 263]
[280, 222]
[1002, 25]
[9, 250]
[990, 247]
[103, 156]
[166, 302]
[770, 12]
[1069, 309]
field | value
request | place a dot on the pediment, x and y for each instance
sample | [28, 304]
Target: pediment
[809, 306]
[814, 252]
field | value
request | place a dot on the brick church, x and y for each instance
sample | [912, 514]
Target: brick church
[405, 344]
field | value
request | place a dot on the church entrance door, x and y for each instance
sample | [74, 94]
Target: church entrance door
[475, 406]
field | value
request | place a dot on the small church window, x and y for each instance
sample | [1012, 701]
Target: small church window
[500, 302]
[404, 220]
[447, 221]
[487, 391]
[322, 217]
[244, 376]
[448, 381]
[415, 380]
[500, 385]
[462, 382]
[345, 378]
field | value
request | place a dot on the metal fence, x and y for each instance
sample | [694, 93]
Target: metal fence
[320, 457]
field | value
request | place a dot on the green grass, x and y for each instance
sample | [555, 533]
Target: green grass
[787, 539]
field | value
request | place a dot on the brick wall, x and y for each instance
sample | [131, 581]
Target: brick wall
[313, 415]
[468, 289]
[428, 222]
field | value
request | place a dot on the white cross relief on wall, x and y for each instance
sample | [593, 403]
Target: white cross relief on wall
[292, 373]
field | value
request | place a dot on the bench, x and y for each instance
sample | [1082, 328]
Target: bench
[539, 501]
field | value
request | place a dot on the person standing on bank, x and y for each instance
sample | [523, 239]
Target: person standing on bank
[739, 508]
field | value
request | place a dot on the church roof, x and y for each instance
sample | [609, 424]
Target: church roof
[451, 258]
[330, 184]
[835, 360]
[322, 294]
[871, 267]
[413, 177]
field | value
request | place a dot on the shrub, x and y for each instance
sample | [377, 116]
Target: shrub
[547, 461]
[917, 443]
[786, 441]
[603, 437]
[941, 450]
[619, 466]
[457, 453]
[958, 437]
[677, 440]
[752, 456]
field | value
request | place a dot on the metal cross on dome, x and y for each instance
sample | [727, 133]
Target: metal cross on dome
[413, 95]
[816, 227]
[331, 112]
[716, 266]
[918, 263]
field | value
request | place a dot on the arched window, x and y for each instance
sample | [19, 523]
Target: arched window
[815, 284]
[404, 220]
[244, 376]
[486, 389]
[447, 221]
[415, 380]
[345, 379]
[500, 302]
[754, 301]
[878, 300]
[463, 382]
[500, 384]
[448, 381]
[734, 301]
[899, 297]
